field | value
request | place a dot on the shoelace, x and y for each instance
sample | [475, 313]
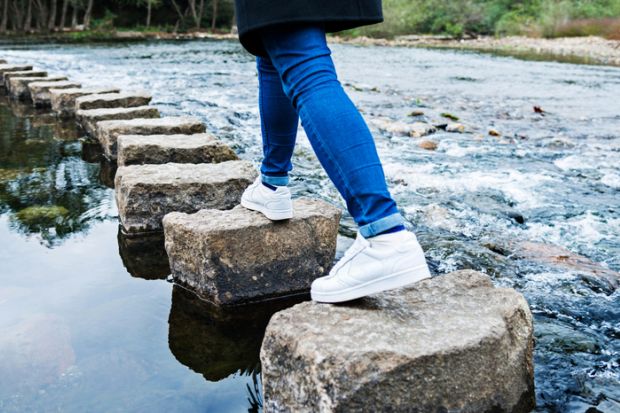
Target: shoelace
[358, 246]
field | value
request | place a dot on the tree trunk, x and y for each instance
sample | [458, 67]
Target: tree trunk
[28, 20]
[88, 14]
[148, 13]
[201, 11]
[74, 16]
[63, 15]
[5, 16]
[52, 21]
[192, 7]
[214, 17]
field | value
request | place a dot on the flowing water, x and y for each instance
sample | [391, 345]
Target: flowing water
[88, 321]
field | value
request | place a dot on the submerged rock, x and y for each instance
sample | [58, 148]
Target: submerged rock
[113, 100]
[18, 86]
[237, 256]
[415, 130]
[40, 91]
[63, 101]
[88, 118]
[455, 128]
[452, 343]
[145, 193]
[158, 149]
[428, 145]
[108, 131]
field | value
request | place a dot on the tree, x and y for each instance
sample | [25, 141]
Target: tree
[88, 14]
[5, 17]
[63, 14]
[214, 14]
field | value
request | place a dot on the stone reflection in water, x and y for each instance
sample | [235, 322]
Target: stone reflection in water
[91, 150]
[45, 188]
[107, 172]
[218, 342]
[144, 256]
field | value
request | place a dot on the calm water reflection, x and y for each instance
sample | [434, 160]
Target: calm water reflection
[81, 327]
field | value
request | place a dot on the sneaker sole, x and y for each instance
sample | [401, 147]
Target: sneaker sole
[389, 282]
[272, 215]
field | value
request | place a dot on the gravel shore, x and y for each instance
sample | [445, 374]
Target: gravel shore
[590, 50]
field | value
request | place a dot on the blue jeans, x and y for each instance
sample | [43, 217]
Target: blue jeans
[298, 80]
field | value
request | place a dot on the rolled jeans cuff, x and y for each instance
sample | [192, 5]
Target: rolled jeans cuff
[275, 180]
[381, 225]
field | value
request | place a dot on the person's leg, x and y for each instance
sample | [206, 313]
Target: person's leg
[279, 122]
[383, 256]
[269, 194]
[338, 133]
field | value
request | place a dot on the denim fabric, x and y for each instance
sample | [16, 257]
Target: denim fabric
[298, 80]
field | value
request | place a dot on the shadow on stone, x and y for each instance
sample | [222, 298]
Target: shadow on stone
[107, 172]
[219, 342]
[144, 256]
[91, 151]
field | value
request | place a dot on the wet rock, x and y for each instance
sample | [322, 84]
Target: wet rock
[6, 68]
[158, 149]
[237, 256]
[91, 150]
[145, 193]
[517, 217]
[561, 257]
[144, 256]
[494, 132]
[18, 86]
[428, 145]
[416, 129]
[452, 343]
[455, 128]
[40, 91]
[108, 131]
[113, 100]
[89, 118]
[25, 73]
[107, 172]
[63, 101]
[208, 339]
[450, 116]
[415, 113]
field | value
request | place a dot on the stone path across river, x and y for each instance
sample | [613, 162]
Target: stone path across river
[452, 343]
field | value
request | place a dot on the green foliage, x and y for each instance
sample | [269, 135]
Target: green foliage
[458, 18]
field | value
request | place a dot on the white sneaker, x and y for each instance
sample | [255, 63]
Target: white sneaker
[373, 265]
[275, 205]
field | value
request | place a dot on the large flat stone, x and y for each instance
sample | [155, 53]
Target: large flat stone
[453, 343]
[40, 91]
[145, 193]
[63, 101]
[108, 131]
[113, 100]
[24, 73]
[18, 86]
[88, 118]
[6, 68]
[238, 256]
[158, 149]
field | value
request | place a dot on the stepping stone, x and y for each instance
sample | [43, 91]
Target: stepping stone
[453, 343]
[239, 256]
[158, 149]
[145, 193]
[40, 91]
[2, 61]
[113, 100]
[108, 131]
[6, 68]
[18, 86]
[88, 118]
[63, 101]
[25, 73]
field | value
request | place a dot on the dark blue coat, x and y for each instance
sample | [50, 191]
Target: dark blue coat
[336, 15]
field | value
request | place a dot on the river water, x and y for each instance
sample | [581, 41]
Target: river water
[88, 321]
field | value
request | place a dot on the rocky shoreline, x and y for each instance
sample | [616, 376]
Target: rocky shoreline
[584, 50]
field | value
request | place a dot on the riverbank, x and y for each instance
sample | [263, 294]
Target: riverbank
[584, 50]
